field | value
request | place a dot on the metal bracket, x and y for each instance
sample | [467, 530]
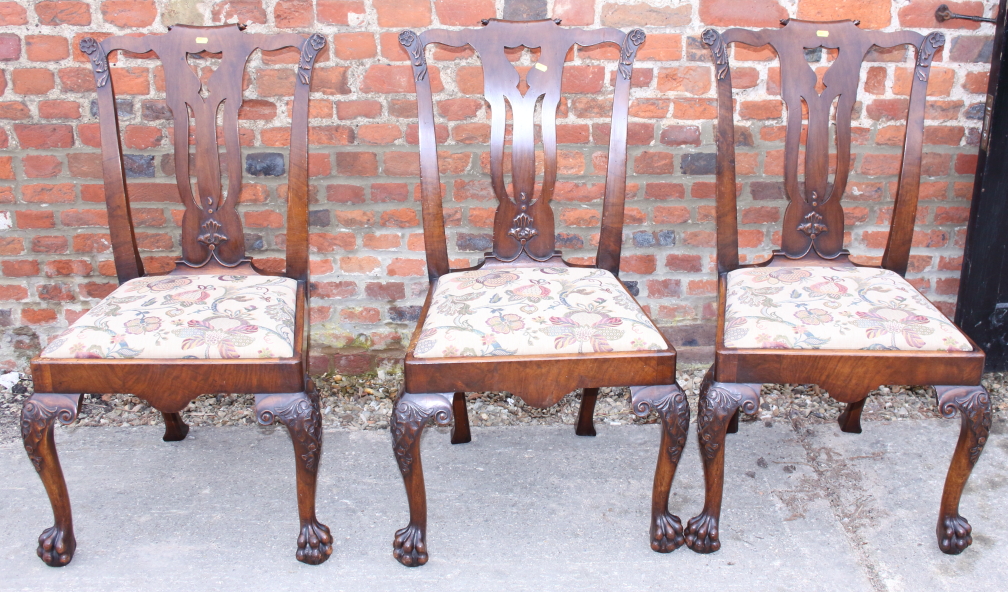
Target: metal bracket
[944, 13]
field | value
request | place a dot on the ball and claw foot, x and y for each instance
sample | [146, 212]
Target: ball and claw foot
[666, 533]
[702, 534]
[954, 535]
[56, 547]
[409, 547]
[314, 543]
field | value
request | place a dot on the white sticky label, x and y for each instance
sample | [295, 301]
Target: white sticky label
[822, 33]
[541, 67]
[201, 40]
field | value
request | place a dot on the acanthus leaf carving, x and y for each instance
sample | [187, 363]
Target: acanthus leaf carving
[37, 417]
[718, 50]
[303, 420]
[670, 403]
[974, 405]
[99, 61]
[409, 40]
[628, 53]
[309, 50]
[926, 52]
[410, 415]
[210, 236]
[718, 401]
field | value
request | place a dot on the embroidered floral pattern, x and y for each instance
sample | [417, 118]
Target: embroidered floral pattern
[544, 310]
[833, 308]
[186, 316]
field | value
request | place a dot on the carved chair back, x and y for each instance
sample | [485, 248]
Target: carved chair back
[523, 224]
[813, 227]
[212, 236]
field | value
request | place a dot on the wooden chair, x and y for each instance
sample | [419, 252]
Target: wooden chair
[808, 314]
[214, 324]
[524, 320]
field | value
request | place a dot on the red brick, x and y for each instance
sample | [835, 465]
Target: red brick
[41, 166]
[13, 293]
[11, 245]
[920, 14]
[64, 267]
[32, 81]
[645, 15]
[357, 164]
[873, 15]
[63, 12]
[664, 288]
[677, 262]
[264, 219]
[12, 13]
[579, 217]
[129, 13]
[10, 47]
[383, 78]
[19, 268]
[14, 110]
[464, 13]
[382, 241]
[671, 214]
[732, 13]
[328, 243]
[354, 218]
[92, 243]
[880, 164]
[378, 133]
[291, 14]
[338, 12]
[400, 218]
[27, 219]
[142, 137]
[359, 264]
[582, 79]
[575, 12]
[353, 109]
[244, 11]
[46, 48]
[77, 79]
[329, 135]
[355, 46]
[406, 267]
[965, 164]
[59, 110]
[940, 81]
[38, 316]
[654, 163]
[760, 215]
[401, 164]
[640, 264]
[976, 82]
[63, 193]
[394, 14]
[694, 109]
[695, 80]
[771, 109]
[331, 81]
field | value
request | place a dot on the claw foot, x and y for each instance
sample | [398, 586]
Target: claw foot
[409, 547]
[666, 533]
[702, 534]
[314, 543]
[954, 534]
[56, 546]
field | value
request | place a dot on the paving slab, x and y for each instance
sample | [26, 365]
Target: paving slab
[521, 508]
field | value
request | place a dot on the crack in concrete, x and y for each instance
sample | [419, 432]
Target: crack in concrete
[834, 476]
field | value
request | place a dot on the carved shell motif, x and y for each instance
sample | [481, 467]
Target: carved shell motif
[813, 225]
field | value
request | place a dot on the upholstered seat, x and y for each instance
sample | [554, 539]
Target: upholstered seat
[534, 310]
[186, 316]
[843, 308]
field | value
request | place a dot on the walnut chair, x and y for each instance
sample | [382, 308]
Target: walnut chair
[808, 314]
[524, 320]
[215, 323]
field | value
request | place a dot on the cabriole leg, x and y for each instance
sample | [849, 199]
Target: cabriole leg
[669, 402]
[56, 543]
[718, 402]
[974, 405]
[299, 412]
[460, 428]
[409, 417]
[586, 414]
[175, 429]
[850, 419]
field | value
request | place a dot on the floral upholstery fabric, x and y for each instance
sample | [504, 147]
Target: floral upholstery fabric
[832, 308]
[538, 310]
[186, 316]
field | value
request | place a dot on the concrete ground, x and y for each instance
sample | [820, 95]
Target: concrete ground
[520, 508]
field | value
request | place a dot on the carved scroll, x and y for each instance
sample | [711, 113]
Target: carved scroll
[718, 49]
[718, 402]
[308, 52]
[37, 417]
[975, 406]
[411, 414]
[299, 412]
[99, 61]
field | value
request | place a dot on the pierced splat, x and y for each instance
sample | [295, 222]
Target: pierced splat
[196, 92]
[524, 223]
[813, 221]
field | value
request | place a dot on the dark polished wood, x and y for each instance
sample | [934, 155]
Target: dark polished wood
[212, 243]
[523, 236]
[460, 433]
[812, 235]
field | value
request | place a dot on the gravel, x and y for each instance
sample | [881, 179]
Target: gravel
[365, 402]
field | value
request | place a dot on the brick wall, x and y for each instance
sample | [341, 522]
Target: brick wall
[368, 266]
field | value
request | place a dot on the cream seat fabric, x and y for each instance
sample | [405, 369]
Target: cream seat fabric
[534, 311]
[186, 316]
[843, 308]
